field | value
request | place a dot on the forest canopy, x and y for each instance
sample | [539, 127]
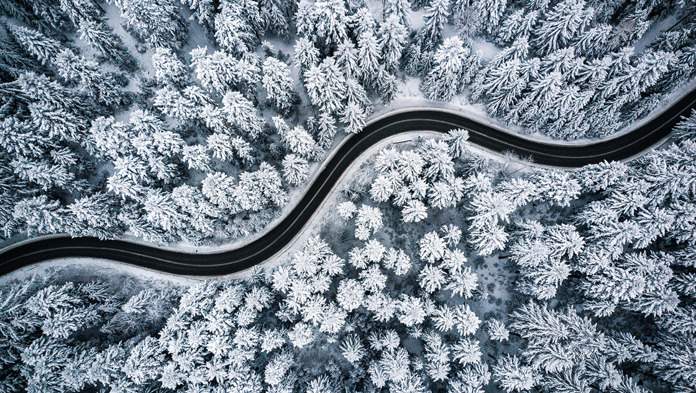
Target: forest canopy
[191, 121]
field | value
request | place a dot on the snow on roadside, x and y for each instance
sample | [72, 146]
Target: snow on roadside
[90, 267]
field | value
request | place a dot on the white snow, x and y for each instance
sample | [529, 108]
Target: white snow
[487, 50]
[95, 267]
[655, 30]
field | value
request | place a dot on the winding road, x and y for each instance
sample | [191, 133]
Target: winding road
[488, 137]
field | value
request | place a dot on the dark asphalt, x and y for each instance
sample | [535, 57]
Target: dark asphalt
[198, 264]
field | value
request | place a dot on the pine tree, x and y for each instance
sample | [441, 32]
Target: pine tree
[326, 129]
[414, 211]
[562, 25]
[236, 26]
[329, 22]
[295, 169]
[45, 175]
[144, 362]
[147, 17]
[437, 355]
[488, 238]
[491, 12]
[462, 282]
[306, 54]
[466, 351]
[352, 349]
[325, 85]
[39, 46]
[452, 70]
[100, 86]
[517, 25]
[431, 278]
[299, 141]
[161, 210]
[465, 17]
[110, 45]
[410, 311]
[392, 40]
[57, 122]
[168, 68]
[275, 16]
[215, 71]
[686, 128]
[278, 83]
[436, 15]
[399, 8]
[39, 215]
[196, 157]
[594, 42]
[353, 117]
[369, 52]
[346, 209]
[350, 294]
[368, 221]
[362, 21]
[347, 58]
[354, 92]
[94, 212]
[456, 139]
[432, 247]
[513, 376]
[242, 114]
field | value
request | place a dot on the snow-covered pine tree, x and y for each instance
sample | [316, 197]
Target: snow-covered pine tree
[453, 67]
[42, 48]
[158, 22]
[369, 58]
[353, 117]
[329, 23]
[306, 54]
[436, 15]
[100, 36]
[278, 84]
[490, 13]
[392, 40]
[242, 113]
[562, 25]
[295, 169]
[168, 68]
[399, 8]
[236, 26]
[347, 57]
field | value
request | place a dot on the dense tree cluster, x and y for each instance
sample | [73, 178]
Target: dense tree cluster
[87, 133]
[601, 260]
[568, 69]
[614, 243]
[255, 334]
[185, 155]
[201, 143]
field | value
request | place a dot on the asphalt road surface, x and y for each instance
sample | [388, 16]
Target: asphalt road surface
[214, 264]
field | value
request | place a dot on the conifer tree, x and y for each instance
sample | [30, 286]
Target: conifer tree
[392, 40]
[278, 83]
[42, 48]
[436, 15]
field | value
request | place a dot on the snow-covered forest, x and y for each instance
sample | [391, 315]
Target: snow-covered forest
[435, 269]
[191, 121]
